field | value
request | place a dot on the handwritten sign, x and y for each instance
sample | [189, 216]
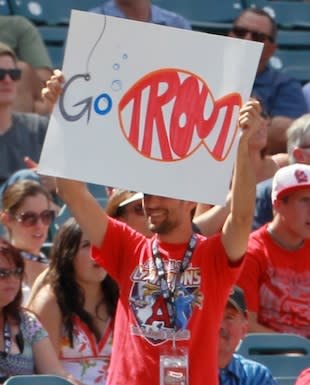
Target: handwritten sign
[149, 108]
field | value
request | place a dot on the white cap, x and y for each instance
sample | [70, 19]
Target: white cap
[135, 197]
[289, 179]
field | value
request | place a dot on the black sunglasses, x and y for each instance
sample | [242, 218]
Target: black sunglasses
[261, 37]
[5, 273]
[30, 218]
[14, 73]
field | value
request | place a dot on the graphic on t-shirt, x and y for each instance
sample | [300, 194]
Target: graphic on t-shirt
[150, 308]
[284, 300]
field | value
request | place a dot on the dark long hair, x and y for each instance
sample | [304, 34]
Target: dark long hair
[11, 254]
[69, 293]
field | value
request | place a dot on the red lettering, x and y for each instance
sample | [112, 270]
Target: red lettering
[185, 104]
[175, 134]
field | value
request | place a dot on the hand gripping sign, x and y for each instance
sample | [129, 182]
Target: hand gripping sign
[149, 108]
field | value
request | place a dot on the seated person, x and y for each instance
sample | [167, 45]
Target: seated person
[235, 369]
[82, 298]
[21, 134]
[24, 39]
[276, 270]
[26, 348]
[142, 10]
[298, 144]
[26, 214]
[281, 96]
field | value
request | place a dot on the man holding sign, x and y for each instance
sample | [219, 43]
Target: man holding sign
[174, 286]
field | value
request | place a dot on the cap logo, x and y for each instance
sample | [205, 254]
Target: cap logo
[301, 176]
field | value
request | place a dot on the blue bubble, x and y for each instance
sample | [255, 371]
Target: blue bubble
[116, 66]
[116, 85]
[125, 56]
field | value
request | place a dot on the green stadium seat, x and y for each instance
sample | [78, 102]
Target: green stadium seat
[50, 12]
[205, 15]
[294, 63]
[37, 379]
[54, 38]
[288, 14]
[285, 354]
[5, 10]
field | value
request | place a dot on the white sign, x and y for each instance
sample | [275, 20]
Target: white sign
[149, 108]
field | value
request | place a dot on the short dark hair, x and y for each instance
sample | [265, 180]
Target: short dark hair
[262, 12]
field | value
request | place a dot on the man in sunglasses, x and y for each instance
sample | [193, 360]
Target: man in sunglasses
[281, 96]
[21, 134]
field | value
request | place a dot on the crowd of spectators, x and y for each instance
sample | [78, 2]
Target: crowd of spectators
[110, 299]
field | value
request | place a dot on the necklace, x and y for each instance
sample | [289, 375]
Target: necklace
[283, 244]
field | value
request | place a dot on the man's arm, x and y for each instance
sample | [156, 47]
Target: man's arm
[84, 207]
[237, 226]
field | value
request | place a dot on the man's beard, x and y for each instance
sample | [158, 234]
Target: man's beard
[164, 227]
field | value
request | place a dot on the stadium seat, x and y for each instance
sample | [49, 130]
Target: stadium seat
[4, 8]
[54, 38]
[286, 355]
[205, 15]
[292, 62]
[288, 14]
[293, 39]
[37, 379]
[50, 12]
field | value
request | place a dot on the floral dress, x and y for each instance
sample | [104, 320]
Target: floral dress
[32, 331]
[87, 360]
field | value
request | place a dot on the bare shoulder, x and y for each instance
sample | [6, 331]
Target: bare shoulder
[44, 301]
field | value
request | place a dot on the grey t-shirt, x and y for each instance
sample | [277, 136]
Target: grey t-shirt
[24, 138]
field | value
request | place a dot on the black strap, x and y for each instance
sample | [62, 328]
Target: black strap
[6, 338]
[36, 258]
[168, 293]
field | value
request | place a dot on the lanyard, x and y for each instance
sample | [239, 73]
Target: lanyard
[167, 292]
[6, 338]
[36, 258]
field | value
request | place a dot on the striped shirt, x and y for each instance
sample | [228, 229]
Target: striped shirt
[241, 371]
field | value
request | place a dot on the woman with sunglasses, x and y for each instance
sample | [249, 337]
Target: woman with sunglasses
[82, 299]
[26, 215]
[24, 344]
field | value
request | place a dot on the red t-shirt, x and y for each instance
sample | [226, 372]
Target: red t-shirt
[142, 325]
[276, 282]
[304, 378]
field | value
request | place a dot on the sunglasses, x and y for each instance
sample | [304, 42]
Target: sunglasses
[136, 209]
[14, 73]
[29, 218]
[261, 37]
[17, 273]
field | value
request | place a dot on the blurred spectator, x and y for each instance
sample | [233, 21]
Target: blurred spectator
[304, 377]
[281, 96]
[142, 10]
[126, 206]
[26, 348]
[82, 298]
[298, 151]
[235, 369]
[26, 215]
[306, 91]
[33, 59]
[21, 134]
[276, 270]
